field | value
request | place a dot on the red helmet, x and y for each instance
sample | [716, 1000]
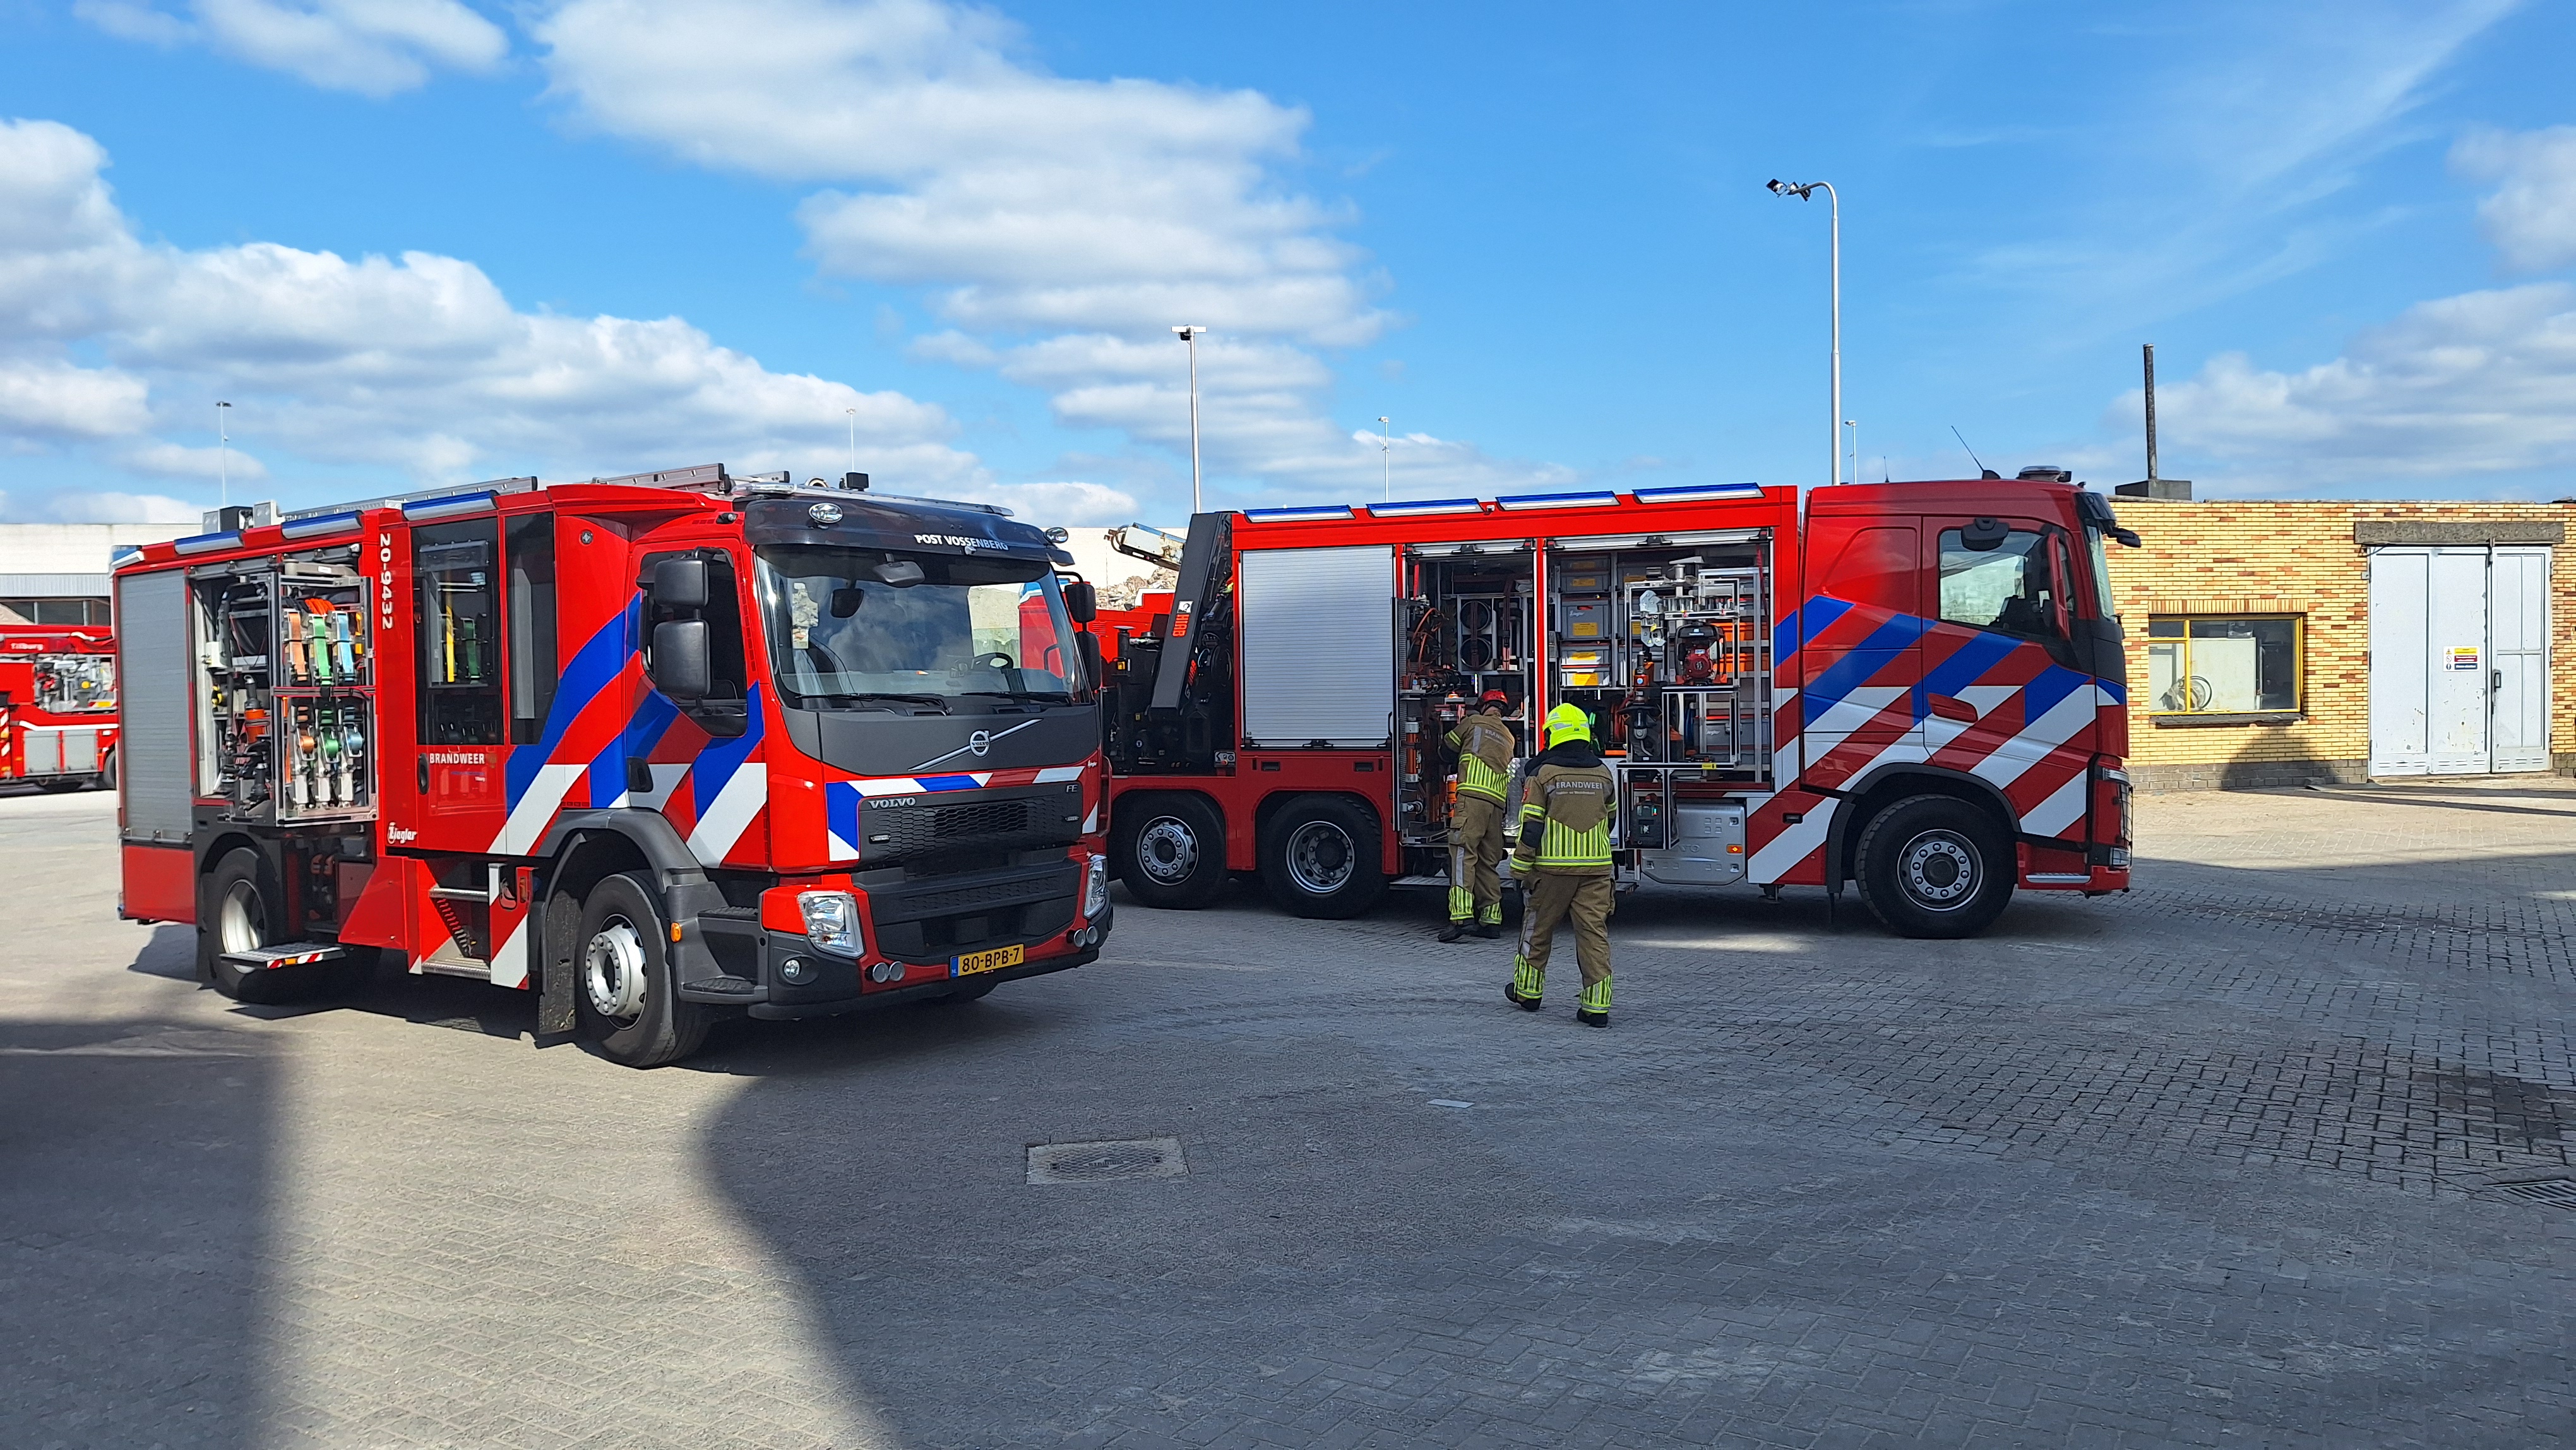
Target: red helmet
[1494, 697]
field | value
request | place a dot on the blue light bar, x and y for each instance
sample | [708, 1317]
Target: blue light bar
[1698, 492]
[1556, 500]
[324, 524]
[1424, 508]
[449, 506]
[1291, 515]
[207, 543]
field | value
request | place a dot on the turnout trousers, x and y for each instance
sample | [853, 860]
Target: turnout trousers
[1549, 898]
[1475, 859]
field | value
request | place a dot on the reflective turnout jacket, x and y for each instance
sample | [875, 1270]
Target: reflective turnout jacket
[1565, 814]
[1484, 746]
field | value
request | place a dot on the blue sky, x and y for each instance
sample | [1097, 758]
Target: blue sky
[420, 241]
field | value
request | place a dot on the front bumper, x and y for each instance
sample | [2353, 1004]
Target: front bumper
[751, 957]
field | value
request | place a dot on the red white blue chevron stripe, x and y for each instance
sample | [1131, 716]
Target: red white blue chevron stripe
[842, 798]
[1900, 688]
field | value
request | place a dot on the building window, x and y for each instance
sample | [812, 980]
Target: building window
[53, 611]
[2224, 666]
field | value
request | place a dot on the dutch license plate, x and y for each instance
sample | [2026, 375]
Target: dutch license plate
[992, 961]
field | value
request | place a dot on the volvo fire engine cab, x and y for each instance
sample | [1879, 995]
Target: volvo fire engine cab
[57, 706]
[660, 748]
[1918, 687]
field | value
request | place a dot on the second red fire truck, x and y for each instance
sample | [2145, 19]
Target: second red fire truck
[57, 706]
[1917, 687]
[660, 748]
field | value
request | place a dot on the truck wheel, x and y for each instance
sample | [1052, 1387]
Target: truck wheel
[235, 913]
[1935, 866]
[1320, 858]
[62, 784]
[107, 771]
[1170, 850]
[626, 1000]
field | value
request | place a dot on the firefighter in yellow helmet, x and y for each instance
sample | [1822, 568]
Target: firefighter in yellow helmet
[1563, 864]
[1485, 748]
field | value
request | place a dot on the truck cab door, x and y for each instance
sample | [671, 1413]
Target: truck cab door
[458, 669]
[1859, 644]
[2000, 690]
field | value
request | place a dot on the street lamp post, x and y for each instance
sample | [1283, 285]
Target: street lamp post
[223, 459]
[1190, 336]
[1802, 191]
[1385, 460]
[1854, 425]
[854, 438]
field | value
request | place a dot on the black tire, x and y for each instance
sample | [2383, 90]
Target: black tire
[1935, 866]
[237, 910]
[622, 978]
[62, 784]
[971, 992]
[1320, 857]
[107, 771]
[1169, 850]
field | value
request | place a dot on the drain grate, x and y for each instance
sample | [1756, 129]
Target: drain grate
[2551, 1192]
[1106, 1162]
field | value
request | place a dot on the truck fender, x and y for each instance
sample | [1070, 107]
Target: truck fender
[682, 879]
[1848, 822]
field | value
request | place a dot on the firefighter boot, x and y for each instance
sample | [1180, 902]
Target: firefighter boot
[1453, 931]
[1527, 983]
[1489, 920]
[1592, 1009]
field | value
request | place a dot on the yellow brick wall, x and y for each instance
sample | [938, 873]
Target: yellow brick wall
[2294, 557]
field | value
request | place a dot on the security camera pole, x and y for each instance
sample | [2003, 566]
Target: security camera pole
[1190, 335]
[1801, 190]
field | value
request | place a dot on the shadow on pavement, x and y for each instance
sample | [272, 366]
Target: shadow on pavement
[135, 1162]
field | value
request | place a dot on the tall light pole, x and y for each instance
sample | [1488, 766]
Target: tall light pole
[1385, 460]
[223, 459]
[1854, 425]
[1190, 335]
[1802, 191]
[854, 438]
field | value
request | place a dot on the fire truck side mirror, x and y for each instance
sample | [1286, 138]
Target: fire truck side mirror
[1088, 645]
[680, 663]
[1080, 601]
[680, 585]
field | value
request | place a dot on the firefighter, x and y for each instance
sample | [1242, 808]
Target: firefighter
[1484, 747]
[1563, 865]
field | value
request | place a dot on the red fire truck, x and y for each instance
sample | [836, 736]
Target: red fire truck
[660, 748]
[57, 706]
[1915, 686]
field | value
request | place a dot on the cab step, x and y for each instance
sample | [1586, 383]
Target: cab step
[290, 954]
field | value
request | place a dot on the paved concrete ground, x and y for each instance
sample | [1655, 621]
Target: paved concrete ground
[2216, 1163]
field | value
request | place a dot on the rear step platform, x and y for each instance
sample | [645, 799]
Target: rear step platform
[291, 954]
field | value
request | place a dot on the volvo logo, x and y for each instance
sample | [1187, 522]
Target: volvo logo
[981, 742]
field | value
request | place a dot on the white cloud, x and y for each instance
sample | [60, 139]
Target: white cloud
[2531, 216]
[85, 506]
[419, 363]
[2479, 383]
[1060, 226]
[372, 47]
[172, 460]
[51, 398]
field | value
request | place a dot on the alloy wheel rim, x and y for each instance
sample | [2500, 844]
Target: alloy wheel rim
[1321, 857]
[242, 919]
[612, 970]
[1939, 869]
[1168, 850]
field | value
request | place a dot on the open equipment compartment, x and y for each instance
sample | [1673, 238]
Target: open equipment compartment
[1467, 627]
[285, 696]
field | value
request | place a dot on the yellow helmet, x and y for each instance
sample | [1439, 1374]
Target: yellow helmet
[1568, 722]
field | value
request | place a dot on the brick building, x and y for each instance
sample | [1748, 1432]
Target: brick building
[2282, 642]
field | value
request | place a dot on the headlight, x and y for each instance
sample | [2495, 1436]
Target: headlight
[831, 921]
[1095, 893]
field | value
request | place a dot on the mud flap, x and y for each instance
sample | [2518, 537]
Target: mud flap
[558, 941]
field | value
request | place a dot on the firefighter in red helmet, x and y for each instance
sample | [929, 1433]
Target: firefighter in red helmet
[1484, 747]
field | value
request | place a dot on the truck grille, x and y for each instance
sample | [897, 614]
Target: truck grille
[926, 835]
[943, 916]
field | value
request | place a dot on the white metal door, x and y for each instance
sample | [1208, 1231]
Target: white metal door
[2457, 693]
[2399, 661]
[2518, 665]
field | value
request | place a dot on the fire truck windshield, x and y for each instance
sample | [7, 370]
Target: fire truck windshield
[863, 629]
